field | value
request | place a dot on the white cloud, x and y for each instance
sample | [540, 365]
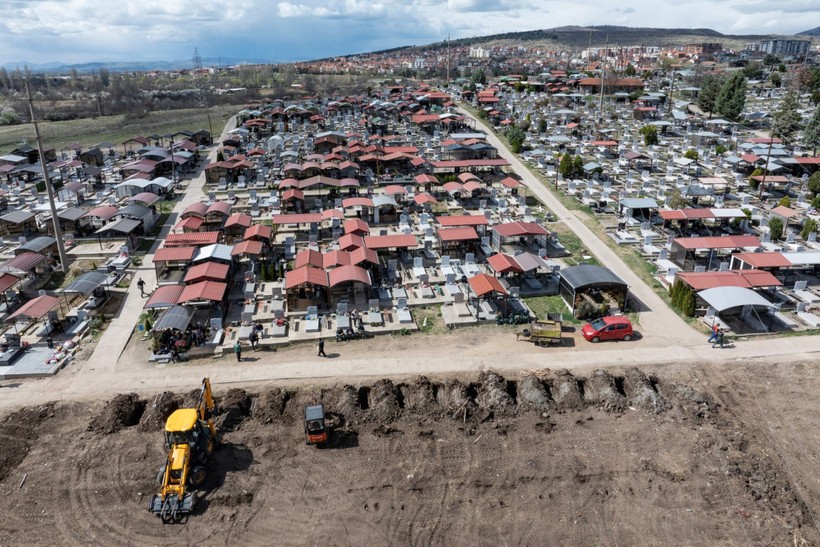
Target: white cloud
[346, 8]
[84, 30]
[286, 9]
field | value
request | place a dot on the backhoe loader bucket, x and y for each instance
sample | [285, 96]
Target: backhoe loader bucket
[171, 509]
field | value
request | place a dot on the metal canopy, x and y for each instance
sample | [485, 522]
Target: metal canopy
[86, 283]
[123, 226]
[585, 275]
[178, 317]
[724, 298]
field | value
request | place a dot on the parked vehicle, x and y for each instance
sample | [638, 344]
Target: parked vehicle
[543, 332]
[615, 327]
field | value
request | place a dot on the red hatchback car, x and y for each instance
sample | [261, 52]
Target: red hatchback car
[608, 328]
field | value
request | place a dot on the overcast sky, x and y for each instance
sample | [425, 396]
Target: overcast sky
[74, 31]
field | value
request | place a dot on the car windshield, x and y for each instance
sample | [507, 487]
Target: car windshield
[597, 324]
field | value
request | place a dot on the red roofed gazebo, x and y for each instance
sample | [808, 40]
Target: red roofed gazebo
[202, 292]
[484, 284]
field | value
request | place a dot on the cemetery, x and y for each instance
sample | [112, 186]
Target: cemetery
[314, 218]
[719, 206]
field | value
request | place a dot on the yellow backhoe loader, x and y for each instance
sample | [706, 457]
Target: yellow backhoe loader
[190, 437]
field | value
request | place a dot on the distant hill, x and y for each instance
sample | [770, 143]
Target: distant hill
[813, 32]
[126, 66]
[576, 37]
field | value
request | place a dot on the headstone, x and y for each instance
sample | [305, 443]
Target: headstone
[469, 258]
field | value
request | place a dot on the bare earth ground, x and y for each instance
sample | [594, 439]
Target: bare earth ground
[672, 455]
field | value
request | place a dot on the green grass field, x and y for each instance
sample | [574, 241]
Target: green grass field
[115, 129]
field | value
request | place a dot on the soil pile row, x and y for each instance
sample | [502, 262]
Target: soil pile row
[385, 401]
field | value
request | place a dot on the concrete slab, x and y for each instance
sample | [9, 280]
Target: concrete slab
[36, 362]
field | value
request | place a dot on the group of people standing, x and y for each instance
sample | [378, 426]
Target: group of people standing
[253, 338]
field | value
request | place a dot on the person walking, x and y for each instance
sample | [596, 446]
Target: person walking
[237, 349]
[253, 338]
[721, 338]
[715, 332]
[141, 285]
[321, 348]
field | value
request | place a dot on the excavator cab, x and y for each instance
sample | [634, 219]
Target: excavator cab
[315, 427]
[190, 437]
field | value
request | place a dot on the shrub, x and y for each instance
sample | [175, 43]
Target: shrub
[775, 228]
[809, 227]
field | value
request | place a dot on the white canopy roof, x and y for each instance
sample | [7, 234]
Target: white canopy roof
[724, 298]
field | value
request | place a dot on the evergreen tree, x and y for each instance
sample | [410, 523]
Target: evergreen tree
[814, 184]
[515, 136]
[709, 89]
[775, 228]
[578, 166]
[688, 302]
[732, 97]
[650, 134]
[786, 120]
[565, 166]
[811, 136]
[809, 227]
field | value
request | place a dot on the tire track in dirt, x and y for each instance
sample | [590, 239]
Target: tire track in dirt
[785, 438]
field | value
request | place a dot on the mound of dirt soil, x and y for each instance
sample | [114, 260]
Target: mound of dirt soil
[420, 396]
[124, 410]
[19, 432]
[344, 401]
[158, 410]
[270, 406]
[234, 407]
[493, 395]
[455, 397]
[383, 403]
[600, 390]
[533, 394]
[641, 392]
[567, 391]
[693, 403]
[190, 399]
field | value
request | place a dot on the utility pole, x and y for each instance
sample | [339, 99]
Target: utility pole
[603, 77]
[58, 233]
[671, 89]
[448, 59]
[97, 93]
[762, 185]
